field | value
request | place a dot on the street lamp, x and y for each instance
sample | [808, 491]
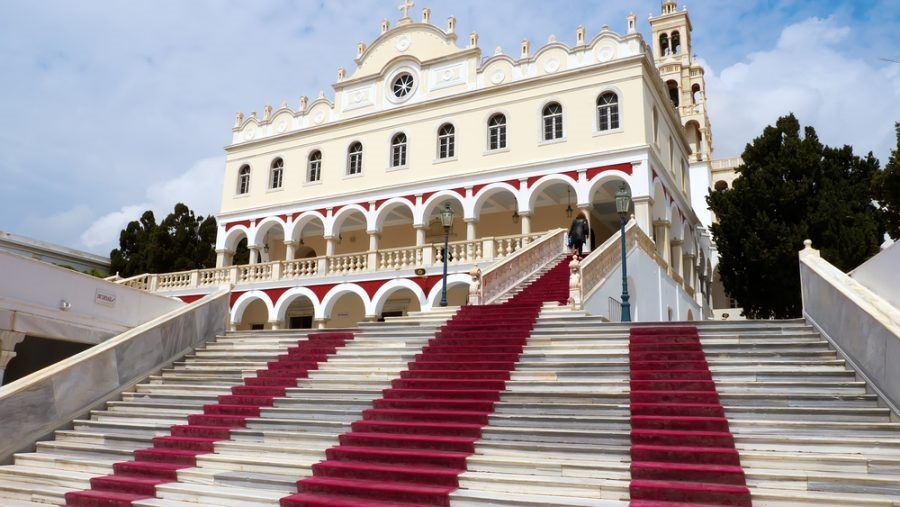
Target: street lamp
[623, 204]
[446, 221]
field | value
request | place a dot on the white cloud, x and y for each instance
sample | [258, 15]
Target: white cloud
[848, 99]
[104, 232]
[199, 188]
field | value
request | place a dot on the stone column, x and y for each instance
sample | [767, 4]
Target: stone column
[8, 342]
[275, 324]
[689, 270]
[586, 213]
[525, 217]
[373, 240]
[320, 323]
[470, 229]
[662, 239]
[420, 234]
[289, 246]
[221, 257]
[642, 214]
[254, 254]
[675, 262]
[329, 246]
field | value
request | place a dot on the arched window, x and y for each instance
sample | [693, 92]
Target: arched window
[663, 44]
[354, 159]
[695, 92]
[314, 166]
[497, 132]
[553, 121]
[243, 183]
[608, 111]
[672, 85]
[398, 150]
[276, 173]
[446, 141]
[676, 43]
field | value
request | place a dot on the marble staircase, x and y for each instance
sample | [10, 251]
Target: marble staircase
[808, 431]
[90, 447]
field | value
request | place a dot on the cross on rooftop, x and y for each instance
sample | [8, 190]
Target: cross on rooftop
[405, 7]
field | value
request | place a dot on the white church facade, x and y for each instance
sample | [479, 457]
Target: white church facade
[336, 200]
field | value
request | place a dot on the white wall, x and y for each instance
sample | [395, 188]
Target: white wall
[863, 326]
[652, 292]
[32, 295]
[879, 274]
[35, 405]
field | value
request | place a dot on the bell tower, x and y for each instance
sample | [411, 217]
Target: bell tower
[671, 33]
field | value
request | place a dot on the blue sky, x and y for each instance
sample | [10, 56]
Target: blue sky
[116, 107]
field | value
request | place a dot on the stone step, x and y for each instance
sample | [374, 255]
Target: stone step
[794, 497]
[286, 484]
[86, 450]
[218, 495]
[611, 487]
[96, 465]
[41, 476]
[113, 440]
[131, 427]
[24, 492]
[476, 498]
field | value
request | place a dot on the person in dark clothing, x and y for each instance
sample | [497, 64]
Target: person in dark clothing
[578, 234]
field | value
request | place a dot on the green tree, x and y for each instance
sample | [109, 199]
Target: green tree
[886, 189]
[790, 188]
[182, 241]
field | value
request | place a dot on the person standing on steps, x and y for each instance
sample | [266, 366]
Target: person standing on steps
[578, 234]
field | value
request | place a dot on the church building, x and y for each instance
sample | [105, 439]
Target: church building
[331, 207]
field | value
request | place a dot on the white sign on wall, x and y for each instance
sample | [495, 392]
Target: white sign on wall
[105, 297]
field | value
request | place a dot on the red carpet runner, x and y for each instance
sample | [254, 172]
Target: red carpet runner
[135, 480]
[410, 448]
[682, 452]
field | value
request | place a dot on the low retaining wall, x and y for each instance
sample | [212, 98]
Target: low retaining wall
[34, 406]
[862, 326]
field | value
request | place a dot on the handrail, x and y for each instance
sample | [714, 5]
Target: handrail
[464, 252]
[599, 264]
[513, 269]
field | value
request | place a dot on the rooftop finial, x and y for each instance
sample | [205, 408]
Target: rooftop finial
[405, 7]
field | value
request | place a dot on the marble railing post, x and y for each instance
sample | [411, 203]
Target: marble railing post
[254, 254]
[320, 323]
[329, 246]
[8, 342]
[275, 324]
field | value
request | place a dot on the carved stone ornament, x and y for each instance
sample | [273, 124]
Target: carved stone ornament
[403, 43]
[475, 286]
[552, 65]
[498, 76]
[575, 287]
[320, 117]
[605, 53]
[282, 126]
[250, 132]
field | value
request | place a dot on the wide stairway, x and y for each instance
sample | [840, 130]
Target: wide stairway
[515, 404]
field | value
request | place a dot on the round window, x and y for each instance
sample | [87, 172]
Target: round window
[403, 85]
